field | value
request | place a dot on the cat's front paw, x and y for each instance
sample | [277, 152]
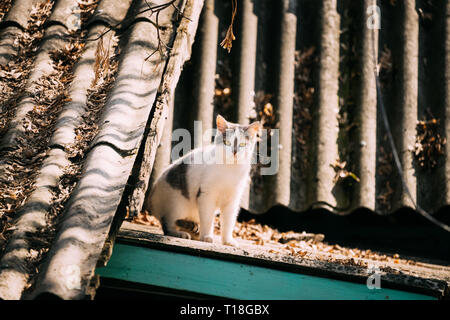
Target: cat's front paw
[208, 238]
[230, 242]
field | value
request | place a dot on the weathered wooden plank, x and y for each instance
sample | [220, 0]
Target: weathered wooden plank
[233, 280]
[180, 53]
[429, 279]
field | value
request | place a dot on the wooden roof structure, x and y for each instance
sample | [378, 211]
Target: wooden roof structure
[143, 255]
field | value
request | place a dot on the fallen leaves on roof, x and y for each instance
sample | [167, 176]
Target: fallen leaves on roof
[20, 165]
[13, 74]
[4, 7]
[290, 243]
[430, 143]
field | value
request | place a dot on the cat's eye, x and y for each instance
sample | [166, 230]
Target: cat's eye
[242, 144]
[227, 143]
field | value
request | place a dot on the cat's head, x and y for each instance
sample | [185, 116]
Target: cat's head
[236, 140]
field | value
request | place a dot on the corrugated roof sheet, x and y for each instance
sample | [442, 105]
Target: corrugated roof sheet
[75, 102]
[315, 83]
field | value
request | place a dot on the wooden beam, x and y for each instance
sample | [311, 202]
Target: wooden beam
[181, 52]
[428, 279]
[233, 280]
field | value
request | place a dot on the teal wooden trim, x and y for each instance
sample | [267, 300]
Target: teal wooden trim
[233, 280]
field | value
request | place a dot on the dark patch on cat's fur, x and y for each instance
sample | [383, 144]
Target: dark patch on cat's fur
[177, 178]
[187, 225]
[199, 192]
[164, 225]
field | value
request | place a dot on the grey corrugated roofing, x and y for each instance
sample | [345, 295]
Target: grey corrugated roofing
[75, 120]
[333, 146]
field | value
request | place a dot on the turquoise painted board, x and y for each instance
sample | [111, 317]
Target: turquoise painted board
[231, 279]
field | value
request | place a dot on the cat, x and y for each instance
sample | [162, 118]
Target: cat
[197, 192]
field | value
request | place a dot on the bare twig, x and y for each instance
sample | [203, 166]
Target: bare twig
[161, 43]
[227, 43]
[124, 25]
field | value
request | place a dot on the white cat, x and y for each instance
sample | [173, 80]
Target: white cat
[196, 192]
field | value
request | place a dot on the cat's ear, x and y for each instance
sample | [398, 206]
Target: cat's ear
[222, 124]
[253, 128]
